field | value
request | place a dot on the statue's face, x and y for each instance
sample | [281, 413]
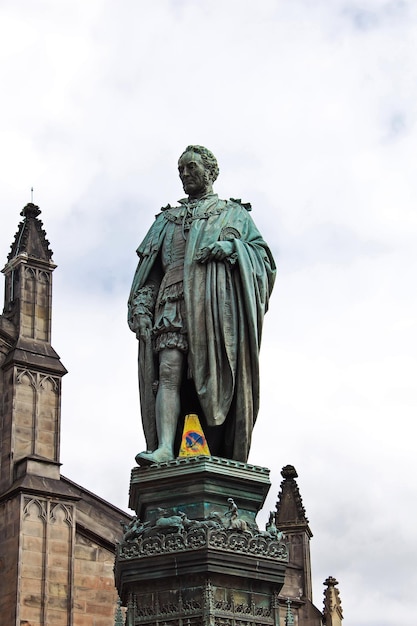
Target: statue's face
[194, 177]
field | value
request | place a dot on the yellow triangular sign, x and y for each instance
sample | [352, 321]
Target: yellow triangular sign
[193, 440]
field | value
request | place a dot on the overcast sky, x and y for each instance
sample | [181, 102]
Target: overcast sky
[310, 108]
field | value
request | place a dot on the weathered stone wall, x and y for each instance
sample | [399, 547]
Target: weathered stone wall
[9, 550]
[49, 572]
[35, 306]
[36, 415]
[48, 417]
[6, 412]
[95, 595]
[46, 562]
[30, 422]
[23, 439]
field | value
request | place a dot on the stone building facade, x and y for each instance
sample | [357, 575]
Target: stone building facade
[57, 540]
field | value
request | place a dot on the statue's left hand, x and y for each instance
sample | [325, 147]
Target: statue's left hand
[217, 251]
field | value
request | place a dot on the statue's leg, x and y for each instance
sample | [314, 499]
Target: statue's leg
[167, 406]
[167, 409]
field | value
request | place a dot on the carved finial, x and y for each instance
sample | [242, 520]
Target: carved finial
[30, 210]
[289, 471]
[333, 613]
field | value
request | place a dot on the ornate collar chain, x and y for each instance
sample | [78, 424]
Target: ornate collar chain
[201, 208]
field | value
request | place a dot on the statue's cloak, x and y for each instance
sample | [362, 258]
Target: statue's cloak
[225, 303]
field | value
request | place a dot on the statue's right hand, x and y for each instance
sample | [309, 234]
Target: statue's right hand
[143, 327]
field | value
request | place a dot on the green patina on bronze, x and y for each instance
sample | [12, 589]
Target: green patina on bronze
[197, 304]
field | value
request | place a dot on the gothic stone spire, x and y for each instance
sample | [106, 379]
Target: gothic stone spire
[290, 509]
[30, 237]
[30, 369]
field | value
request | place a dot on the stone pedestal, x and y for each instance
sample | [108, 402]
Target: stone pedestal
[194, 554]
[198, 486]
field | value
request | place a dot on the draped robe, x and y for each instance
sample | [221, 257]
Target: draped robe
[225, 303]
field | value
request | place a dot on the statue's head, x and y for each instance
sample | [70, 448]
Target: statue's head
[198, 170]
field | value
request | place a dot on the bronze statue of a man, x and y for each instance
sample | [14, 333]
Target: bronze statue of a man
[197, 304]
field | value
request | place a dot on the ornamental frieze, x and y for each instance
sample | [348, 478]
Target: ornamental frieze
[178, 533]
